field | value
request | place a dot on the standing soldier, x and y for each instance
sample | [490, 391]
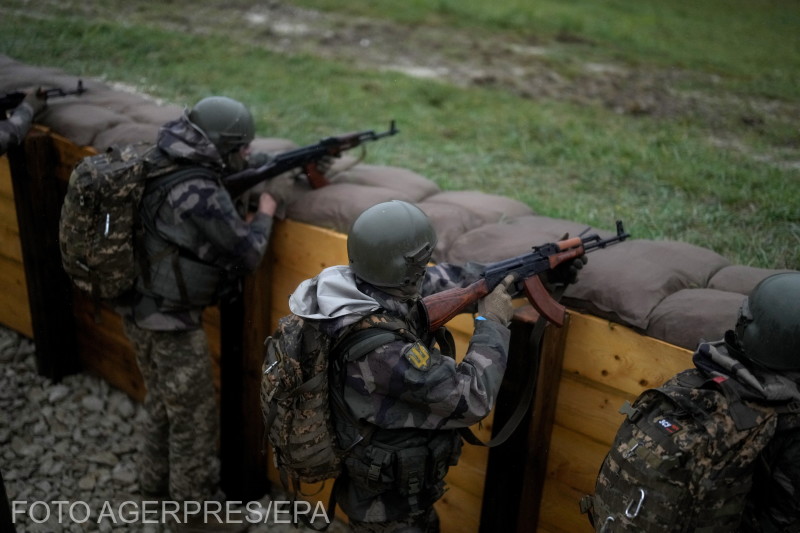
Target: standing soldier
[196, 246]
[406, 399]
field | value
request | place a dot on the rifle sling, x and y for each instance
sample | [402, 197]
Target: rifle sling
[526, 397]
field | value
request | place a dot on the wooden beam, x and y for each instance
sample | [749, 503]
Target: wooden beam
[505, 466]
[541, 427]
[37, 198]
[244, 324]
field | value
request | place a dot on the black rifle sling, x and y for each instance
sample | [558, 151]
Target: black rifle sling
[526, 397]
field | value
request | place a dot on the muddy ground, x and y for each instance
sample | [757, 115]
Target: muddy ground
[560, 69]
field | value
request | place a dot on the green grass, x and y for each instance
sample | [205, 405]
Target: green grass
[754, 43]
[665, 178]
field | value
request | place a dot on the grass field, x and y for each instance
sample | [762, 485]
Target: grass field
[644, 111]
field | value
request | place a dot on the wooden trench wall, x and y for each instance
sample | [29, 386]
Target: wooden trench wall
[532, 483]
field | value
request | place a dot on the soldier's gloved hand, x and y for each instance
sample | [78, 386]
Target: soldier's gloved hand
[497, 304]
[567, 272]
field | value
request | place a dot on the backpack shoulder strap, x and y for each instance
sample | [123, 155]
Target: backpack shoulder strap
[368, 334]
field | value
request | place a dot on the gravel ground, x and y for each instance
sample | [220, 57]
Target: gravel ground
[73, 442]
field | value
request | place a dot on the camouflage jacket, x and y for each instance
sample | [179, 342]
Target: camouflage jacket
[774, 501]
[14, 128]
[415, 395]
[197, 220]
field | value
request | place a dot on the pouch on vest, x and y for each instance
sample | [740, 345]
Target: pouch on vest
[445, 451]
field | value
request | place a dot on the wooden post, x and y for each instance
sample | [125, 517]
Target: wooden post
[541, 427]
[506, 462]
[38, 198]
[516, 470]
[244, 326]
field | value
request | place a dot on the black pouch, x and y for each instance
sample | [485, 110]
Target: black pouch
[372, 468]
[412, 467]
[445, 450]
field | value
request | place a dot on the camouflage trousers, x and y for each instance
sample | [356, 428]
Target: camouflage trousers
[425, 522]
[177, 454]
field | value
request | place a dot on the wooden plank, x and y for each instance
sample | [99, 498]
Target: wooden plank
[69, 154]
[10, 246]
[211, 324]
[618, 357]
[6, 189]
[572, 470]
[561, 512]
[470, 471]
[306, 248]
[243, 328]
[14, 310]
[539, 435]
[459, 511]
[589, 408]
[575, 459]
[104, 350]
[38, 204]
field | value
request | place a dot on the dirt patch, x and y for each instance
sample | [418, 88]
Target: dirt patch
[530, 69]
[468, 59]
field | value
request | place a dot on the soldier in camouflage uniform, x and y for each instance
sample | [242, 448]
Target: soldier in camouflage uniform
[16, 126]
[408, 397]
[763, 355]
[196, 246]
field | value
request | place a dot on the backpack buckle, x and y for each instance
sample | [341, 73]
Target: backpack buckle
[633, 513]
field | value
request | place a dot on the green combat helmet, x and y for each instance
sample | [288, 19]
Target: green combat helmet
[227, 123]
[769, 323]
[390, 244]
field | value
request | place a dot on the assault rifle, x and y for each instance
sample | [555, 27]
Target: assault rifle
[439, 308]
[12, 100]
[306, 157]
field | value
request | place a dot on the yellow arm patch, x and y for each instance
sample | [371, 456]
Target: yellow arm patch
[418, 355]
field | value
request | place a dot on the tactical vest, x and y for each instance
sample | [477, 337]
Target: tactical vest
[404, 466]
[171, 272]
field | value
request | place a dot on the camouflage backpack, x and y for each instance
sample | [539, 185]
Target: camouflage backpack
[682, 460]
[100, 214]
[299, 389]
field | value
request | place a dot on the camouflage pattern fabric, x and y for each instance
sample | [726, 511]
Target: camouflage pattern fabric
[205, 240]
[196, 223]
[413, 395]
[694, 453]
[15, 127]
[177, 456]
[427, 522]
[773, 505]
[100, 215]
[294, 401]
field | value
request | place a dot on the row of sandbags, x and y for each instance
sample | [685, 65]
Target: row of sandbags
[672, 291]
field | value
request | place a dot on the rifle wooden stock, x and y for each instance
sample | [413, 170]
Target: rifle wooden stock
[443, 306]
